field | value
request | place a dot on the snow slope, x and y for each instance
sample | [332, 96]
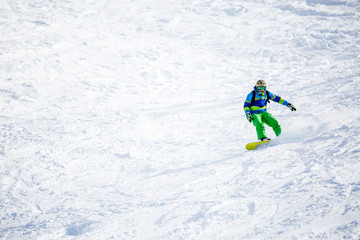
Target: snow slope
[124, 119]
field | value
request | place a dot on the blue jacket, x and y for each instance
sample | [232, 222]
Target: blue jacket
[260, 102]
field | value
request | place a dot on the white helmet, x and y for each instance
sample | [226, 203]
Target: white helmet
[261, 83]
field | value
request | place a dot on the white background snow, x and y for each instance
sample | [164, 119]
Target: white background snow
[124, 119]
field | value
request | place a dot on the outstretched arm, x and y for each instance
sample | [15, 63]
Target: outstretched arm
[278, 99]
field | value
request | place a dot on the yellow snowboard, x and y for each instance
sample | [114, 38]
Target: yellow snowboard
[253, 145]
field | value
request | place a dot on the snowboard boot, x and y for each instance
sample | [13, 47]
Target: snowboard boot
[264, 139]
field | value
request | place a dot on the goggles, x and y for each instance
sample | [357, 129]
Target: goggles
[261, 89]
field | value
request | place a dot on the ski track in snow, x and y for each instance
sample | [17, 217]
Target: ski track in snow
[124, 120]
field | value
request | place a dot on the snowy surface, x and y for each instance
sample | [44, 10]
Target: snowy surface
[124, 119]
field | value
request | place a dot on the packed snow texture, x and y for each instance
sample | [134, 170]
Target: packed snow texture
[124, 119]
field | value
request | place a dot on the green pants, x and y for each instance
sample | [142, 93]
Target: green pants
[268, 119]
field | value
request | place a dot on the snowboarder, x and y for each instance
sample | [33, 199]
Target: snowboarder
[255, 109]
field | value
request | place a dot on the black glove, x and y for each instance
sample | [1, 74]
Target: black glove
[292, 108]
[249, 117]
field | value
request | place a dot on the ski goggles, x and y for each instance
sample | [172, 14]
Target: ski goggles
[261, 89]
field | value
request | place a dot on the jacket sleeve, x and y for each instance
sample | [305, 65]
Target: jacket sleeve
[278, 99]
[247, 103]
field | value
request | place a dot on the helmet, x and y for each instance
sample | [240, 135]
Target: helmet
[261, 86]
[261, 83]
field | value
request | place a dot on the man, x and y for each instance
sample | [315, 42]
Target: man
[256, 110]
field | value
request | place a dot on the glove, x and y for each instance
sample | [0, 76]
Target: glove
[292, 108]
[249, 117]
